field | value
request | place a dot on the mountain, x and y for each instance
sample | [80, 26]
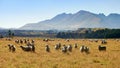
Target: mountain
[2, 28]
[81, 19]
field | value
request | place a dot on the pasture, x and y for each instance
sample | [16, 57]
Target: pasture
[56, 58]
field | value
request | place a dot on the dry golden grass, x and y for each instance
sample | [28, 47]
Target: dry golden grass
[57, 59]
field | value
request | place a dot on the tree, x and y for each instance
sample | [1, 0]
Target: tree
[10, 34]
[1, 36]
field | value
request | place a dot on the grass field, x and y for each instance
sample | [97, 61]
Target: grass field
[57, 59]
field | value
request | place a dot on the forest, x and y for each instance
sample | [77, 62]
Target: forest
[76, 34]
[90, 33]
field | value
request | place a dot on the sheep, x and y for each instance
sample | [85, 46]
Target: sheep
[26, 48]
[9, 39]
[33, 41]
[102, 48]
[75, 46]
[31, 45]
[96, 40]
[46, 40]
[16, 41]
[67, 40]
[11, 48]
[84, 49]
[28, 43]
[21, 41]
[47, 48]
[69, 48]
[64, 48]
[25, 41]
[104, 42]
[9, 45]
[58, 46]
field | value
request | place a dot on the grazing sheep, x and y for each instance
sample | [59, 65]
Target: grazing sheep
[33, 41]
[69, 48]
[33, 47]
[102, 48]
[75, 46]
[84, 49]
[59, 45]
[46, 40]
[67, 40]
[25, 41]
[26, 48]
[104, 42]
[28, 43]
[16, 41]
[96, 40]
[64, 48]
[11, 48]
[47, 48]
[9, 45]
[9, 39]
[21, 41]
[56, 47]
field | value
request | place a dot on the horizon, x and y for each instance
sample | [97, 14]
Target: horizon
[16, 13]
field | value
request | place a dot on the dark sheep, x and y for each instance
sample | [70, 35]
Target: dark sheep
[47, 48]
[102, 48]
[26, 48]
[21, 41]
[59, 45]
[75, 46]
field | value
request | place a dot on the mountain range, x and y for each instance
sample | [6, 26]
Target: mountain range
[81, 19]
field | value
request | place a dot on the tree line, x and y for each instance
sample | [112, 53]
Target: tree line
[80, 33]
[102, 33]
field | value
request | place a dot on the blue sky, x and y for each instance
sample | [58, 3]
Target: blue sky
[16, 13]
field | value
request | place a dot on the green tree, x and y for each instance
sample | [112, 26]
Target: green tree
[10, 34]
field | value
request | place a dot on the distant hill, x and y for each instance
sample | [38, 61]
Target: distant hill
[81, 19]
[2, 28]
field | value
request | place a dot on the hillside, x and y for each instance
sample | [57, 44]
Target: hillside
[81, 19]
